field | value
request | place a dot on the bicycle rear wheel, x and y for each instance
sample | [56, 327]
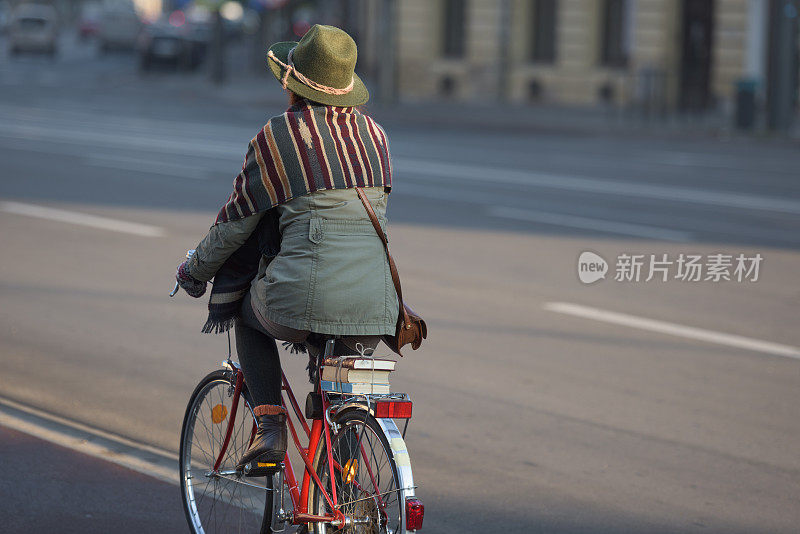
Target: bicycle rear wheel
[366, 478]
[222, 501]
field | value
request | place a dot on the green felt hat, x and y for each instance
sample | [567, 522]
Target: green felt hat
[321, 67]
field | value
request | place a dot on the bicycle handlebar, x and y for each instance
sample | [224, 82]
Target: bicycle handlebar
[189, 254]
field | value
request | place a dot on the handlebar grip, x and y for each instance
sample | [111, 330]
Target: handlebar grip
[189, 254]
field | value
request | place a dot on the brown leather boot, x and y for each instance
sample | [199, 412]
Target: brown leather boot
[269, 444]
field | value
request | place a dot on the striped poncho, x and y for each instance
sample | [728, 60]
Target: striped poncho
[308, 148]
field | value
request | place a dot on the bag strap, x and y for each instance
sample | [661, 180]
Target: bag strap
[382, 235]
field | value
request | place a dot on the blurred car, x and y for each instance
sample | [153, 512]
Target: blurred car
[119, 27]
[33, 28]
[173, 41]
[198, 25]
[89, 21]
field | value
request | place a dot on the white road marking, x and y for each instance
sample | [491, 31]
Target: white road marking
[590, 185]
[600, 225]
[674, 329]
[145, 459]
[146, 166]
[82, 219]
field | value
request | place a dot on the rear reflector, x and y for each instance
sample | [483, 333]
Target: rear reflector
[415, 512]
[393, 409]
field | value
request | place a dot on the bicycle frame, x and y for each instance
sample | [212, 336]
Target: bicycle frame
[320, 429]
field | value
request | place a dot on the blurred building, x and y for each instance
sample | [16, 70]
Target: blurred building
[663, 54]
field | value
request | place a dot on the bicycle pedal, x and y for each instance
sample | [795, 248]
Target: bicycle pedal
[258, 468]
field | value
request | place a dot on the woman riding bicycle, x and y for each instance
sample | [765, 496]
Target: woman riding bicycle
[292, 252]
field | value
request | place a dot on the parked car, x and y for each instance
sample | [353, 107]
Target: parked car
[119, 27]
[33, 28]
[172, 41]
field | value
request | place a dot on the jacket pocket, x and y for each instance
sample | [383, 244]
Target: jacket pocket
[316, 230]
[349, 281]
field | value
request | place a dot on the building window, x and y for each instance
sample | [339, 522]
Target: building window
[543, 31]
[614, 33]
[454, 22]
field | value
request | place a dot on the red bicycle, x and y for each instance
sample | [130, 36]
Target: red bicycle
[357, 472]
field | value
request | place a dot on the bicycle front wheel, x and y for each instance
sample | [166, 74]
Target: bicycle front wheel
[365, 478]
[220, 501]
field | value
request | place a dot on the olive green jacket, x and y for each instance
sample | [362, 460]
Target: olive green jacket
[331, 275]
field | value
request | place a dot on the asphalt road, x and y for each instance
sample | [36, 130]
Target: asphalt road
[530, 416]
[47, 488]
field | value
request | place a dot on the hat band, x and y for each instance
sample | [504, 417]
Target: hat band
[290, 69]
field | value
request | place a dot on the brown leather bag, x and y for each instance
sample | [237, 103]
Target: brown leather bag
[411, 328]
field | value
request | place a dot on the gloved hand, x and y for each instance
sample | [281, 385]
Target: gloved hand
[194, 287]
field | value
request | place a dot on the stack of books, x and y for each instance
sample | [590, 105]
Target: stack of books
[356, 375]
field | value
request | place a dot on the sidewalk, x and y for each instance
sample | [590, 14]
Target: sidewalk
[48, 488]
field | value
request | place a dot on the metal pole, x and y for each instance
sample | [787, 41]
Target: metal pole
[217, 49]
[504, 50]
[782, 82]
[387, 68]
[259, 43]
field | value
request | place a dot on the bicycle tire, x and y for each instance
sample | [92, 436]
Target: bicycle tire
[350, 424]
[198, 511]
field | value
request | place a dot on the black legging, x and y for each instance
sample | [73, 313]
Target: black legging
[261, 363]
[258, 355]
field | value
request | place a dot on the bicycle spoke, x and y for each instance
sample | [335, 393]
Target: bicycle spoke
[196, 442]
[239, 530]
[213, 500]
[227, 508]
[212, 439]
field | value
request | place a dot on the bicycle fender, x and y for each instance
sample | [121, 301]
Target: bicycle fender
[352, 405]
[402, 460]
